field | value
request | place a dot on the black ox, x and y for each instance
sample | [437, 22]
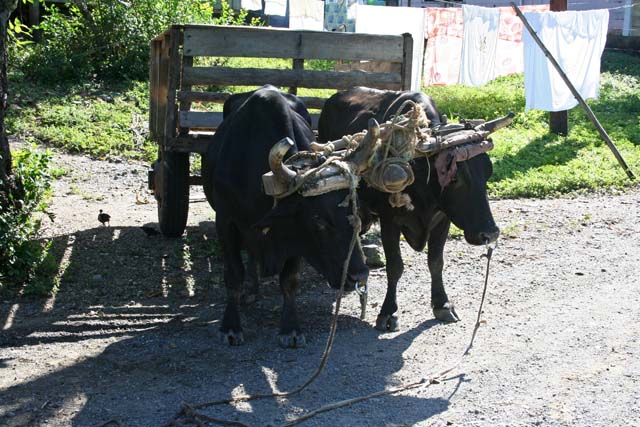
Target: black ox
[463, 201]
[249, 143]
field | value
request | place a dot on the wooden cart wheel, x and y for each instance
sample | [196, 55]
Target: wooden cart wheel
[172, 192]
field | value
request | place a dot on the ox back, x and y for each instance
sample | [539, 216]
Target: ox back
[275, 238]
[463, 202]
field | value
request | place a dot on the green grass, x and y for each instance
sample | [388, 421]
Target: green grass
[100, 121]
[529, 161]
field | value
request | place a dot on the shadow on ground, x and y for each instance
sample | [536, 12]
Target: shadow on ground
[131, 333]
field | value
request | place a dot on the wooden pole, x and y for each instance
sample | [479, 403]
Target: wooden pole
[592, 117]
[559, 120]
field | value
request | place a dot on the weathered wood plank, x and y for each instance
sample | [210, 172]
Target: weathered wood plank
[298, 78]
[195, 96]
[185, 104]
[221, 97]
[273, 43]
[200, 119]
[174, 82]
[189, 144]
[212, 120]
[163, 88]
[154, 71]
[407, 61]
[313, 101]
[298, 64]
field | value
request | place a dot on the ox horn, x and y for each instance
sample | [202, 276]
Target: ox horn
[360, 156]
[496, 124]
[277, 153]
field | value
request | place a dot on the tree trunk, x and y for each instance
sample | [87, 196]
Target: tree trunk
[8, 185]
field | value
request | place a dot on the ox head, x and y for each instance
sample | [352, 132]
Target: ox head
[464, 198]
[463, 169]
[316, 210]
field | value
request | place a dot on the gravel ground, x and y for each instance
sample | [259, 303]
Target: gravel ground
[131, 332]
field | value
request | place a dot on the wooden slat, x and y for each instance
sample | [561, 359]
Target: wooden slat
[315, 117]
[185, 104]
[212, 120]
[174, 80]
[190, 143]
[154, 71]
[163, 88]
[200, 119]
[298, 64]
[282, 43]
[195, 96]
[313, 101]
[221, 97]
[299, 78]
[407, 61]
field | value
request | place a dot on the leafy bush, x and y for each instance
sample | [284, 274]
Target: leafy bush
[109, 39]
[20, 252]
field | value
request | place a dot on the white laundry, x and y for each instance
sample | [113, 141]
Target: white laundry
[306, 15]
[275, 7]
[251, 4]
[396, 21]
[576, 40]
[479, 42]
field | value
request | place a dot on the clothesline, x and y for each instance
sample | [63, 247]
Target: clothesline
[608, 8]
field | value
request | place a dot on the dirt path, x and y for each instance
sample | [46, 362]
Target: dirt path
[131, 331]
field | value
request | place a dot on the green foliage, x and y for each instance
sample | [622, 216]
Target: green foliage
[89, 118]
[20, 252]
[109, 39]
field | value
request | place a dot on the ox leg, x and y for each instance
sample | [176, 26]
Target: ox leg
[442, 308]
[253, 278]
[231, 328]
[290, 335]
[390, 234]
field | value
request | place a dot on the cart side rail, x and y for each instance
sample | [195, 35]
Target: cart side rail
[176, 71]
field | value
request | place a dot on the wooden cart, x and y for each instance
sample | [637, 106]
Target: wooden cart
[177, 82]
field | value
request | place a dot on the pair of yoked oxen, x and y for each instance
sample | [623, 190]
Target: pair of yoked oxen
[264, 127]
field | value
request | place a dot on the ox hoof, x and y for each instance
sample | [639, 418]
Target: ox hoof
[232, 338]
[387, 323]
[446, 314]
[292, 340]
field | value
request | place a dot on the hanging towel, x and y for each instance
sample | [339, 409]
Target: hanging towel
[339, 15]
[275, 7]
[306, 15]
[509, 52]
[251, 4]
[481, 24]
[396, 21]
[443, 31]
[576, 40]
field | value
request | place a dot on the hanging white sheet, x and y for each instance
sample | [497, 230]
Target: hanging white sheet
[306, 15]
[396, 21]
[251, 4]
[576, 40]
[275, 7]
[479, 42]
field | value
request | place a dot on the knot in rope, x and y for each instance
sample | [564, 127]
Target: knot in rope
[390, 171]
